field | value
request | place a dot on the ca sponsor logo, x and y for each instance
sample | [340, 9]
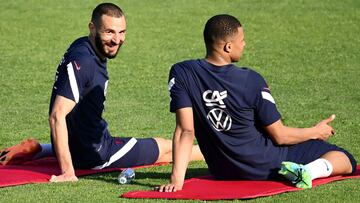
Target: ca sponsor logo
[215, 98]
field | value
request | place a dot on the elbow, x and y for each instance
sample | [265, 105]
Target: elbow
[279, 137]
[184, 132]
[279, 140]
[54, 119]
[190, 132]
[278, 133]
[56, 122]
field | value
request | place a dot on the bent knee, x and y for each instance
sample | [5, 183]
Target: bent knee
[163, 142]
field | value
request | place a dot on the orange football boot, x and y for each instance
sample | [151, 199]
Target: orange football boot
[19, 153]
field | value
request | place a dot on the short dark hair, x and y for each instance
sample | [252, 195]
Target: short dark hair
[220, 27]
[108, 9]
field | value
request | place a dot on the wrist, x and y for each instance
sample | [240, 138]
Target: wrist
[313, 132]
[68, 171]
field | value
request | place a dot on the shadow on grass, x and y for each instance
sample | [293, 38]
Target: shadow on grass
[140, 176]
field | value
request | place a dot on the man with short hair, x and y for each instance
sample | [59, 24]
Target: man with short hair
[232, 114]
[79, 134]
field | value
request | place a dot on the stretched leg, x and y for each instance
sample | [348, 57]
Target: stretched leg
[46, 151]
[165, 151]
[314, 159]
[330, 164]
[144, 153]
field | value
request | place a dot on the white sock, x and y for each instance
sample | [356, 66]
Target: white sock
[319, 168]
[46, 151]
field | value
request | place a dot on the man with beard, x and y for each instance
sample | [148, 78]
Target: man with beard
[79, 134]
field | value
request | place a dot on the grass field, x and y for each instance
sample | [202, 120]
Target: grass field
[307, 50]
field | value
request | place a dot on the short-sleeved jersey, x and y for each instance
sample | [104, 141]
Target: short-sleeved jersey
[82, 77]
[231, 106]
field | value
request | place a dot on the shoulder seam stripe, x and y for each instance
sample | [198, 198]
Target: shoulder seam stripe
[73, 83]
[267, 96]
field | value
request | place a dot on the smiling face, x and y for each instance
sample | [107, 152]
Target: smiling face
[108, 35]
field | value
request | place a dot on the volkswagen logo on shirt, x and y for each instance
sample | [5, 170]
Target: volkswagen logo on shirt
[218, 117]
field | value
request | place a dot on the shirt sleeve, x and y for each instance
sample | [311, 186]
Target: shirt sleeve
[73, 78]
[179, 97]
[265, 106]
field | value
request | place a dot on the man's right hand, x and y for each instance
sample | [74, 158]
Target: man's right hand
[171, 187]
[57, 120]
[63, 178]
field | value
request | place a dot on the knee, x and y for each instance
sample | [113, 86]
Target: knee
[165, 145]
[341, 161]
[348, 158]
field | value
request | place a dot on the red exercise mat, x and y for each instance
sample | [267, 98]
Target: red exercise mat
[40, 171]
[206, 188]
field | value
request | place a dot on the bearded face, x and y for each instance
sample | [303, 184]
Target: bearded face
[108, 49]
[109, 35]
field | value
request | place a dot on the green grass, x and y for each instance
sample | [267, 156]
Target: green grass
[307, 50]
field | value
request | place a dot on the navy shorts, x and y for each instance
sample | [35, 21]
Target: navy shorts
[144, 152]
[130, 152]
[311, 150]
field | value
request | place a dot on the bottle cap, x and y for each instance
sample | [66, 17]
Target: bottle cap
[122, 180]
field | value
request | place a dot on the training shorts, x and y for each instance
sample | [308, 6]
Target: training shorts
[135, 152]
[311, 150]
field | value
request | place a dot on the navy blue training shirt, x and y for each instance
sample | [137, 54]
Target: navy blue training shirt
[231, 106]
[82, 77]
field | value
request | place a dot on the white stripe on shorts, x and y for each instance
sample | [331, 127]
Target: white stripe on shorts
[73, 83]
[125, 149]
